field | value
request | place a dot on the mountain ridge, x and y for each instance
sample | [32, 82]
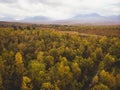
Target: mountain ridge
[92, 18]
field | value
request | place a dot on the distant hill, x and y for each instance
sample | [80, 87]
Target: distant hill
[6, 19]
[36, 19]
[92, 18]
[86, 15]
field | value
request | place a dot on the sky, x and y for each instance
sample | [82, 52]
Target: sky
[57, 9]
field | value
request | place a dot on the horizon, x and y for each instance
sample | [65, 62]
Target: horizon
[57, 10]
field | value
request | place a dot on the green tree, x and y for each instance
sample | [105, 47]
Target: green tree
[37, 73]
[61, 74]
[76, 70]
[98, 55]
[87, 64]
[40, 56]
[108, 60]
[49, 61]
[104, 43]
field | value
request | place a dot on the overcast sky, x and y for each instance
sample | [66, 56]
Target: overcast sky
[57, 9]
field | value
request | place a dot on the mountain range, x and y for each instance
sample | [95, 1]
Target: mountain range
[78, 19]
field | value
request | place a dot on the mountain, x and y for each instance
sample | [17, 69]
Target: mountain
[96, 18]
[37, 19]
[115, 18]
[92, 18]
[6, 19]
[86, 16]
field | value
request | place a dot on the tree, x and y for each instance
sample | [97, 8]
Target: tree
[98, 55]
[87, 51]
[103, 43]
[15, 27]
[107, 79]
[1, 66]
[19, 70]
[108, 60]
[115, 47]
[49, 61]
[100, 87]
[54, 53]
[95, 80]
[19, 64]
[87, 64]
[118, 80]
[22, 46]
[61, 74]
[28, 28]
[1, 83]
[37, 73]
[26, 83]
[40, 56]
[101, 66]
[7, 70]
[1, 72]
[76, 70]
[47, 86]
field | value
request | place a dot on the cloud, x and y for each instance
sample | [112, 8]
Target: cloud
[57, 9]
[7, 1]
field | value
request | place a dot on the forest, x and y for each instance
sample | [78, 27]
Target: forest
[48, 57]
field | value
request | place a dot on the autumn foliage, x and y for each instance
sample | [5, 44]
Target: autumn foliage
[52, 60]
